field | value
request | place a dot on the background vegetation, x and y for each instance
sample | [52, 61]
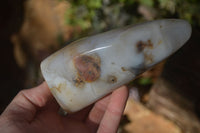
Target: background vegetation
[100, 15]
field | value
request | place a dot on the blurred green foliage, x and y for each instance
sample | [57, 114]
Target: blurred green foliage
[100, 15]
[145, 81]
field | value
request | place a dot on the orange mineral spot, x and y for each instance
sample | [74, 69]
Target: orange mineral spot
[142, 45]
[78, 82]
[88, 67]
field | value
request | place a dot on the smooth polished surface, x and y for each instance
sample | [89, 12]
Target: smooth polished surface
[88, 69]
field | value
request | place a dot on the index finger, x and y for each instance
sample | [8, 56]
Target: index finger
[114, 111]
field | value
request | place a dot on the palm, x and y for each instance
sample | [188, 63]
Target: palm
[49, 121]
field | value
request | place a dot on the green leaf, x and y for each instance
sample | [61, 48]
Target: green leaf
[145, 81]
[94, 4]
[147, 2]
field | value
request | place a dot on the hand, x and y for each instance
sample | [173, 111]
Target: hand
[35, 110]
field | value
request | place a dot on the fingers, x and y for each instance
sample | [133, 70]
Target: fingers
[114, 111]
[97, 112]
[27, 102]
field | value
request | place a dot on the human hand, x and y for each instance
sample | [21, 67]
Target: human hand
[35, 110]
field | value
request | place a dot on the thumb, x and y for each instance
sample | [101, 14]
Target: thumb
[26, 103]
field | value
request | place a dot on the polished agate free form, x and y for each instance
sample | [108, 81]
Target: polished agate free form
[88, 69]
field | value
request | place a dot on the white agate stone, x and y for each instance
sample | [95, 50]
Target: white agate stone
[88, 69]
